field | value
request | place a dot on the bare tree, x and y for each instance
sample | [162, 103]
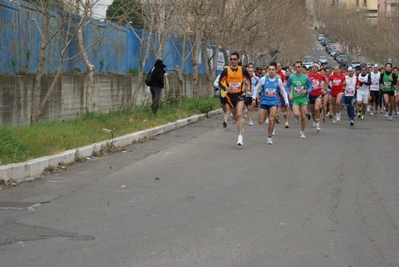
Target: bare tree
[65, 33]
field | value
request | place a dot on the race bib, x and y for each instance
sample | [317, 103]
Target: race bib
[387, 84]
[336, 82]
[270, 92]
[298, 90]
[235, 87]
[349, 92]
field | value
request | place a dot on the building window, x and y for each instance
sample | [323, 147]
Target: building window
[365, 2]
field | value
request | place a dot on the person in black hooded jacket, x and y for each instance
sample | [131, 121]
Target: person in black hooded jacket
[157, 84]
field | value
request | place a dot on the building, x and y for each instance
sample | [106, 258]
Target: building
[388, 8]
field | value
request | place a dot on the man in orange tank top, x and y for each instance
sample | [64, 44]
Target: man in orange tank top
[234, 79]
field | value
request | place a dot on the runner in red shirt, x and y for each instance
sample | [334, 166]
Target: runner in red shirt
[281, 74]
[337, 82]
[319, 83]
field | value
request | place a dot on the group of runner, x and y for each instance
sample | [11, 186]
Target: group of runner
[315, 93]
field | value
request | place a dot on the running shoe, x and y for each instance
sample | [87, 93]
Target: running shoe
[240, 141]
[351, 123]
[318, 128]
[396, 115]
[371, 113]
[362, 117]
[308, 116]
[313, 124]
[375, 114]
[269, 141]
[277, 119]
[386, 115]
[224, 124]
[324, 119]
[251, 123]
[359, 115]
[287, 125]
[335, 120]
[390, 118]
[303, 135]
[330, 116]
[338, 117]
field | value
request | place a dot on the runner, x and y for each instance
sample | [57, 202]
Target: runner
[248, 98]
[319, 83]
[223, 101]
[375, 90]
[281, 74]
[327, 97]
[395, 70]
[270, 87]
[388, 82]
[363, 92]
[232, 80]
[351, 85]
[337, 82]
[300, 85]
[286, 109]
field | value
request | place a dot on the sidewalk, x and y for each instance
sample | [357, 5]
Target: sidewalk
[29, 170]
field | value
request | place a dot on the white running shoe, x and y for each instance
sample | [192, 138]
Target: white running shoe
[338, 117]
[313, 124]
[318, 128]
[303, 135]
[335, 120]
[371, 113]
[251, 123]
[390, 118]
[386, 115]
[269, 141]
[240, 141]
[351, 123]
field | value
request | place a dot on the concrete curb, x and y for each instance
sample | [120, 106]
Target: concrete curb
[28, 170]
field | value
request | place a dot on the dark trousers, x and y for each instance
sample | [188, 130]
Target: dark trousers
[350, 106]
[156, 97]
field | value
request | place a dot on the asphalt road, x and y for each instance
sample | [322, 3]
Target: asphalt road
[192, 197]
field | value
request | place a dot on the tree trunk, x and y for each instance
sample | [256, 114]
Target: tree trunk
[90, 69]
[35, 114]
[143, 59]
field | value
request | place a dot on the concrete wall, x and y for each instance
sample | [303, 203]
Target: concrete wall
[111, 92]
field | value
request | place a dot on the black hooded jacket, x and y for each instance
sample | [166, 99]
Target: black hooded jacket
[157, 74]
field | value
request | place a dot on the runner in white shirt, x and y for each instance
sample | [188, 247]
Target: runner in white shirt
[362, 96]
[351, 84]
[374, 90]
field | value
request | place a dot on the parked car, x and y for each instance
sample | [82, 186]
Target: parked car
[320, 36]
[323, 60]
[344, 58]
[341, 58]
[307, 61]
[337, 55]
[355, 63]
[325, 42]
[332, 52]
[345, 61]
[369, 64]
[329, 47]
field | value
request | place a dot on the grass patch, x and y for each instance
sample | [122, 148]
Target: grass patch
[21, 143]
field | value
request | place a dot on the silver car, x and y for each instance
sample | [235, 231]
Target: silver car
[323, 60]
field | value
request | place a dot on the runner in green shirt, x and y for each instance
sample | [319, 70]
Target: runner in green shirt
[300, 86]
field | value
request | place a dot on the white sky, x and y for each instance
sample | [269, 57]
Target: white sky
[100, 8]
